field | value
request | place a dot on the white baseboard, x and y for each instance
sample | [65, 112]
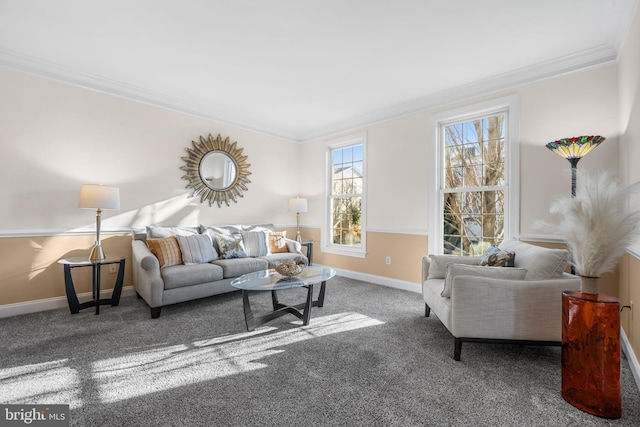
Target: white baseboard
[379, 280]
[631, 357]
[54, 303]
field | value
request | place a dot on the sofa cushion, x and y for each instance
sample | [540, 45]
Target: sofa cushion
[231, 246]
[541, 263]
[196, 249]
[236, 267]
[186, 275]
[167, 250]
[496, 257]
[438, 264]
[277, 242]
[160, 232]
[255, 243]
[454, 270]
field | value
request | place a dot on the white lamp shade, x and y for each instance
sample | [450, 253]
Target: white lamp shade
[298, 205]
[99, 197]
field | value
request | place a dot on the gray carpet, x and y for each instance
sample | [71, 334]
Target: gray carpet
[369, 357]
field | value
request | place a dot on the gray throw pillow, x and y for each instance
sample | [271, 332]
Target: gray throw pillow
[454, 270]
[438, 264]
[197, 249]
[255, 243]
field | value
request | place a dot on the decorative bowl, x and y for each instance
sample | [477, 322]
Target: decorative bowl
[290, 268]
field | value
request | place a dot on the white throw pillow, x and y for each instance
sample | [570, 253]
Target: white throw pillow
[541, 263]
[438, 264]
[453, 270]
[197, 249]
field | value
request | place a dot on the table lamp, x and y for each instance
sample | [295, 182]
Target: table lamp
[93, 196]
[298, 205]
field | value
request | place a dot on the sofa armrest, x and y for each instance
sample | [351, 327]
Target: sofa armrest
[294, 247]
[483, 307]
[426, 263]
[147, 279]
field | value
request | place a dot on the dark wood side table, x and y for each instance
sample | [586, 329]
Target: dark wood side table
[79, 262]
[309, 246]
[591, 353]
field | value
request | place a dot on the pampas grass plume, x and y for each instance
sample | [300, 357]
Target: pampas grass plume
[599, 224]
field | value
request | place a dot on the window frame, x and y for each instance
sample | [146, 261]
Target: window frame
[507, 105]
[326, 243]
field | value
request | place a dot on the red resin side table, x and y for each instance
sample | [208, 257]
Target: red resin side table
[591, 353]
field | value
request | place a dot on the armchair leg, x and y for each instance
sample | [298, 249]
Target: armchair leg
[427, 310]
[457, 349]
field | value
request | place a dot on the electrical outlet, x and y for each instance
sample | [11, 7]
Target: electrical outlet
[113, 268]
[387, 260]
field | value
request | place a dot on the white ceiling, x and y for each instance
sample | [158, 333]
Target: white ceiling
[300, 69]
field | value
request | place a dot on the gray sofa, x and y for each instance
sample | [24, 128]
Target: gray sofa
[519, 304]
[187, 281]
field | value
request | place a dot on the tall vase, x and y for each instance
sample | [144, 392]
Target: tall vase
[589, 285]
[591, 353]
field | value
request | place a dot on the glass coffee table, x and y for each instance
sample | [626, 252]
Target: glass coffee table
[270, 280]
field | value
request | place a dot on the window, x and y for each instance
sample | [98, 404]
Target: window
[344, 231]
[476, 159]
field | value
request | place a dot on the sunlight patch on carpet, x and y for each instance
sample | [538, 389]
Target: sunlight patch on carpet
[166, 368]
[56, 383]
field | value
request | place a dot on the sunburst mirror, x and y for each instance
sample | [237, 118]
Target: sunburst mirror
[216, 170]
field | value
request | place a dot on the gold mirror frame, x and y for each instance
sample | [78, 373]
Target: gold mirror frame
[200, 185]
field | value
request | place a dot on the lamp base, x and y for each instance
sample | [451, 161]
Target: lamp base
[298, 237]
[97, 253]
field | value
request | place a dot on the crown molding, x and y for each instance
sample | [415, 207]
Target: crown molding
[596, 57]
[576, 62]
[51, 71]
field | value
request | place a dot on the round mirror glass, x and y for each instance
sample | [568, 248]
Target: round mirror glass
[217, 170]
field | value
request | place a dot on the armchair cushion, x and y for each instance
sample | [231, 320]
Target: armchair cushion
[541, 263]
[454, 270]
[438, 264]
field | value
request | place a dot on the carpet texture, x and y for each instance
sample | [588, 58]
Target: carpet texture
[368, 358]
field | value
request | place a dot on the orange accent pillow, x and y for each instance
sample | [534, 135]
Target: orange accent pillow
[277, 243]
[167, 250]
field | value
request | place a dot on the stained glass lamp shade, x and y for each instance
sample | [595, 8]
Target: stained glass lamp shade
[573, 149]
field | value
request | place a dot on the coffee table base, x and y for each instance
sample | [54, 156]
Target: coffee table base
[301, 311]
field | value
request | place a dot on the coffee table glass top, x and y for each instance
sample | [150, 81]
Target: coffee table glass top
[270, 280]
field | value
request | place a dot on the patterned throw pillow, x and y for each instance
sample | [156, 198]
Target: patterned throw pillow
[277, 242]
[231, 246]
[197, 249]
[255, 243]
[167, 250]
[496, 257]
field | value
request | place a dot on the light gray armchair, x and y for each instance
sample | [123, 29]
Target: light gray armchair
[520, 304]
